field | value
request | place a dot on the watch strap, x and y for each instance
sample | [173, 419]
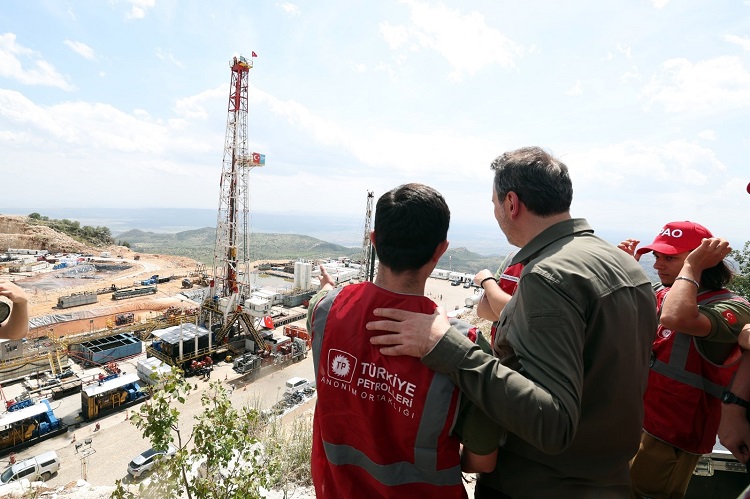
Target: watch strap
[730, 398]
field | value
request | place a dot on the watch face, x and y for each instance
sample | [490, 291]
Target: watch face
[4, 311]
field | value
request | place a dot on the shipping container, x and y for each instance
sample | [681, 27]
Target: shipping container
[76, 299]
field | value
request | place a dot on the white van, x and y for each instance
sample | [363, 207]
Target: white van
[296, 384]
[42, 467]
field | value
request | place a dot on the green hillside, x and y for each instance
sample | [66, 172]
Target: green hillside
[199, 245]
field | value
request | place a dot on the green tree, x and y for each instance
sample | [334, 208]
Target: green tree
[740, 283]
[220, 457]
[35, 216]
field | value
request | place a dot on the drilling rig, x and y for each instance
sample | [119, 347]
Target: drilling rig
[229, 286]
[228, 312]
[367, 261]
[231, 252]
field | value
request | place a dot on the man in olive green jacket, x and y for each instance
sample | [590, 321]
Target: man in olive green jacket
[572, 352]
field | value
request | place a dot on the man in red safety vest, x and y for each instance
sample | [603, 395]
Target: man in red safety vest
[388, 426]
[498, 290]
[695, 354]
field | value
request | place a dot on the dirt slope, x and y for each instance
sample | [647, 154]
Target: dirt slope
[16, 233]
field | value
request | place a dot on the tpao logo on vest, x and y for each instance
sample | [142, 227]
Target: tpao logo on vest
[342, 365]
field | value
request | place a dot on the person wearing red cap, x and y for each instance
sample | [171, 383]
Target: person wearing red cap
[695, 354]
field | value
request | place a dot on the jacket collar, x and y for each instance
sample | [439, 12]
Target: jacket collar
[550, 235]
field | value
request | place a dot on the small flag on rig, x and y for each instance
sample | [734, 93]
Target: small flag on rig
[253, 55]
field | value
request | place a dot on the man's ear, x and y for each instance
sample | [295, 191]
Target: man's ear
[514, 203]
[440, 251]
[372, 238]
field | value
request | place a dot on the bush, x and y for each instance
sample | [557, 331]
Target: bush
[233, 453]
[740, 283]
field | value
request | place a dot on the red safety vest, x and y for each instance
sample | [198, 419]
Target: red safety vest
[682, 400]
[382, 425]
[508, 282]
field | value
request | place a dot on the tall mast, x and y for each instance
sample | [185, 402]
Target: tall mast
[366, 270]
[231, 253]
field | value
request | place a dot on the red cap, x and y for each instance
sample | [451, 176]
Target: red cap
[676, 238]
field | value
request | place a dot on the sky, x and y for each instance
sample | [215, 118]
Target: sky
[123, 103]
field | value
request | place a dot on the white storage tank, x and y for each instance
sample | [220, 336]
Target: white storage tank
[302, 275]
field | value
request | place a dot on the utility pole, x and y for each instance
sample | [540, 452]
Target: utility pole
[84, 456]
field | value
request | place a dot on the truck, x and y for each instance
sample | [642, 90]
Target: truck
[255, 363]
[126, 318]
[76, 299]
[122, 294]
[151, 369]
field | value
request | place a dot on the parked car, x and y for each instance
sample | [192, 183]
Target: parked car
[38, 467]
[296, 384]
[146, 460]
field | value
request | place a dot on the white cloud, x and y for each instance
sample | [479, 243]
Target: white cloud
[394, 36]
[634, 75]
[659, 4]
[81, 49]
[168, 56]
[464, 40]
[290, 8]
[42, 72]
[139, 8]
[739, 40]
[631, 186]
[635, 164]
[97, 126]
[195, 106]
[714, 85]
[359, 67]
[707, 135]
[576, 89]
[410, 153]
[625, 50]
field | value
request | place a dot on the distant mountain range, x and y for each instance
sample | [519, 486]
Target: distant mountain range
[198, 244]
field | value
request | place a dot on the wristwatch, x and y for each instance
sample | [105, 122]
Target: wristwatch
[730, 398]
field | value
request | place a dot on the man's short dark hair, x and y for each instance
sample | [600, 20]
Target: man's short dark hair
[541, 182]
[410, 222]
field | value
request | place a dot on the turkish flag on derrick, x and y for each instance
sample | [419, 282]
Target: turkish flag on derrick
[253, 55]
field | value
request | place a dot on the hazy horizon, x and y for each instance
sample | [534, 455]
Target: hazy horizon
[124, 104]
[348, 231]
